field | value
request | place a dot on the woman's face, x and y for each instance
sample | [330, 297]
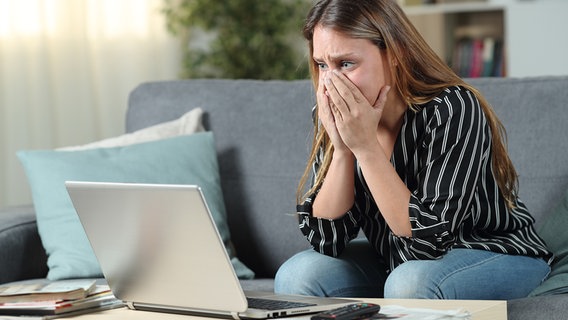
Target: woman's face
[358, 59]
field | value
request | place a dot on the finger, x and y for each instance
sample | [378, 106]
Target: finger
[321, 96]
[338, 104]
[324, 105]
[382, 99]
[336, 112]
[347, 89]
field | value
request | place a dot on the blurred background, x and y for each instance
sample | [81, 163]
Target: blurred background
[67, 66]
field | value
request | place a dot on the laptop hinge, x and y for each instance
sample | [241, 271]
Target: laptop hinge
[184, 311]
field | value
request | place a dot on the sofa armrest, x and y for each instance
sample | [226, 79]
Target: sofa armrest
[21, 252]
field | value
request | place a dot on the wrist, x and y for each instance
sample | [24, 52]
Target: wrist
[370, 153]
[342, 155]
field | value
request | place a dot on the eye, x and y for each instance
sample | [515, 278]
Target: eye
[321, 65]
[347, 64]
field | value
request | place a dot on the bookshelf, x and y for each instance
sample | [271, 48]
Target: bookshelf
[469, 36]
[495, 37]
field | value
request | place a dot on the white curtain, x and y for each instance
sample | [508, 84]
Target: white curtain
[66, 68]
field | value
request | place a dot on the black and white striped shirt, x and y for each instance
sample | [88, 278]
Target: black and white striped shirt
[443, 155]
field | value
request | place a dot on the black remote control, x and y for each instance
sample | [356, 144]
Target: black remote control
[352, 311]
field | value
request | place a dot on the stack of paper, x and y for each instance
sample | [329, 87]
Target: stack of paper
[46, 299]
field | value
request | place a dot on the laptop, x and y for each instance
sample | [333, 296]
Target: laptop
[159, 250]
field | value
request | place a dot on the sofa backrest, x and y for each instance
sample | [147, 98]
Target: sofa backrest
[263, 132]
[534, 112]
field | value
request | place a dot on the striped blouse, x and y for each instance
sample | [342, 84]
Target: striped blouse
[443, 155]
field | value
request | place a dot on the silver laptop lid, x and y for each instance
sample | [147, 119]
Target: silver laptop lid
[139, 231]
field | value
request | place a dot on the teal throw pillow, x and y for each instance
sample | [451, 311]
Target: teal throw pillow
[187, 159]
[553, 231]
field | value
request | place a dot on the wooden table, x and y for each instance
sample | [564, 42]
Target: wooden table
[480, 310]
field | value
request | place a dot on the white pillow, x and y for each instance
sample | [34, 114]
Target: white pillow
[189, 123]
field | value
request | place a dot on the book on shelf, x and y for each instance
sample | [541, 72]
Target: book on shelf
[100, 298]
[478, 57]
[478, 51]
[46, 290]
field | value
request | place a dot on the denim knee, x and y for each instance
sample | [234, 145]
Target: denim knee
[298, 275]
[467, 274]
[411, 281]
[357, 272]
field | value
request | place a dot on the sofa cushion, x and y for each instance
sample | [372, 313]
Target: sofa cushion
[190, 122]
[553, 231]
[187, 159]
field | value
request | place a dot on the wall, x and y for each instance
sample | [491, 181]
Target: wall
[537, 42]
[66, 68]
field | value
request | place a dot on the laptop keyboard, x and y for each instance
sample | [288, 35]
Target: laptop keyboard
[267, 304]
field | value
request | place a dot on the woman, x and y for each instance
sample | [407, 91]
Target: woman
[410, 154]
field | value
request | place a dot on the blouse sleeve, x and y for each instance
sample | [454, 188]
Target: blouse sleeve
[326, 236]
[454, 149]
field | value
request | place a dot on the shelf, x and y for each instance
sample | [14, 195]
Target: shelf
[447, 8]
[458, 32]
[446, 25]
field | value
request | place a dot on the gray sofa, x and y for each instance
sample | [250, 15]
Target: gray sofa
[262, 131]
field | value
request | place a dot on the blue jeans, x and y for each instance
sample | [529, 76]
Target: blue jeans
[460, 274]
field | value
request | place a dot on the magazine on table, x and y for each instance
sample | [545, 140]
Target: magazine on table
[405, 313]
[100, 298]
[37, 290]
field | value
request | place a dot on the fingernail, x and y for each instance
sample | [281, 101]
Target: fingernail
[327, 80]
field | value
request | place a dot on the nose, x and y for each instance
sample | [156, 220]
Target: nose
[325, 74]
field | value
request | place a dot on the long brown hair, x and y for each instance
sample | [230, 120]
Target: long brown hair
[420, 76]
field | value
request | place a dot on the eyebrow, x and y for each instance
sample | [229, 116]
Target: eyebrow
[341, 56]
